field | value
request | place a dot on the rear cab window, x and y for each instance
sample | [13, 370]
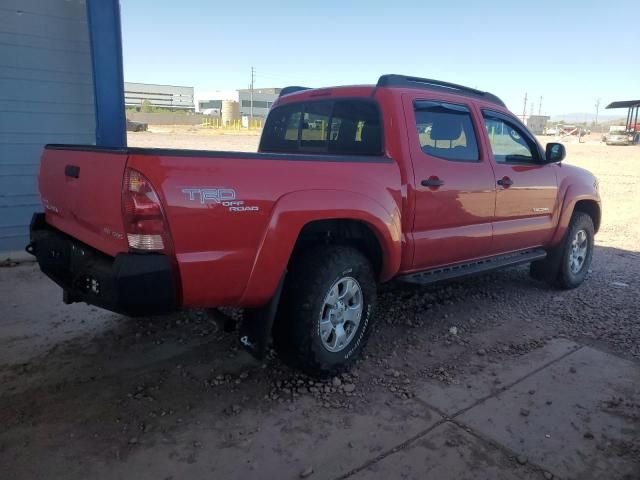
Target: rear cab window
[340, 127]
[445, 130]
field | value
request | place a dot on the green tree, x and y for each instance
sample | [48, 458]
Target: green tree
[146, 107]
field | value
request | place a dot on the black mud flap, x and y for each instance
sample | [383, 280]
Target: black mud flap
[255, 329]
[547, 270]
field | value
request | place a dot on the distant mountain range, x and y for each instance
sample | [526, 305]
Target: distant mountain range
[588, 117]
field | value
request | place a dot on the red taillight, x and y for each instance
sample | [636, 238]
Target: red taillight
[144, 220]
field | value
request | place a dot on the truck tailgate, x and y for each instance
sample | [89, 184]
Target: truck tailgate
[81, 192]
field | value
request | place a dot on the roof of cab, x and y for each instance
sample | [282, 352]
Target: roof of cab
[392, 81]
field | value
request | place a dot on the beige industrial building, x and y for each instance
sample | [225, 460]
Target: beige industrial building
[211, 102]
[537, 123]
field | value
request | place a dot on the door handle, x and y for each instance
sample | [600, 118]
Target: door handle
[505, 182]
[72, 171]
[432, 182]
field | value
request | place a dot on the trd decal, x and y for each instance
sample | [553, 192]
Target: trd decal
[221, 196]
[205, 195]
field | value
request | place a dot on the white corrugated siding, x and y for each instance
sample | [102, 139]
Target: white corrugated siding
[46, 96]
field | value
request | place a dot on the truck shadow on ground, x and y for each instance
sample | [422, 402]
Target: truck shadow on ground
[146, 380]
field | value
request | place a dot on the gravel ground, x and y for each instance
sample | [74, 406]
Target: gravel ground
[80, 388]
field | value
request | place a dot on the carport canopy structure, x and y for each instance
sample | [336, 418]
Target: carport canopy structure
[632, 115]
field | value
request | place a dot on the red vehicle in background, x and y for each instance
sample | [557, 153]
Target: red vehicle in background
[413, 179]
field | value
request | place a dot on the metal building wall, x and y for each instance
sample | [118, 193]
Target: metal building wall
[169, 96]
[258, 96]
[48, 94]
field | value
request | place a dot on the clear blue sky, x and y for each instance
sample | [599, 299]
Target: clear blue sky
[569, 52]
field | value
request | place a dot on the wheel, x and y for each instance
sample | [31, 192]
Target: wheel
[567, 265]
[325, 314]
[577, 251]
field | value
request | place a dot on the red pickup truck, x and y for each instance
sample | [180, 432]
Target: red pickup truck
[411, 179]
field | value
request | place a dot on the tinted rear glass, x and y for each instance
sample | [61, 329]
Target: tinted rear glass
[446, 131]
[315, 125]
[332, 126]
[280, 133]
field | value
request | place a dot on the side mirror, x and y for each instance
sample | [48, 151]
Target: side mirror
[555, 152]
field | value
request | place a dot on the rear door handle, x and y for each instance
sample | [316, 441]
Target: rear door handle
[72, 171]
[432, 182]
[505, 182]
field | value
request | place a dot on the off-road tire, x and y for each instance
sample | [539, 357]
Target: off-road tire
[566, 278]
[555, 269]
[296, 332]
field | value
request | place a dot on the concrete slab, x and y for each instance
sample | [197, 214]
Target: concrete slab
[448, 452]
[277, 444]
[493, 379]
[34, 319]
[577, 418]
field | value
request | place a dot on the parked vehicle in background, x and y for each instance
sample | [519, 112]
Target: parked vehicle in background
[631, 127]
[136, 126]
[410, 179]
[618, 135]
[613, 129]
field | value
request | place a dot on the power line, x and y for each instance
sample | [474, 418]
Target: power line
[540, 106]
[253, 76]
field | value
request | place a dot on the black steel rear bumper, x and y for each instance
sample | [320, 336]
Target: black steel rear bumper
[131, 284]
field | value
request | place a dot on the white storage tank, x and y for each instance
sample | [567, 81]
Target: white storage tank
[230, 112]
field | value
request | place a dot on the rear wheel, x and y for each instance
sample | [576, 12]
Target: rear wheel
[326, 309]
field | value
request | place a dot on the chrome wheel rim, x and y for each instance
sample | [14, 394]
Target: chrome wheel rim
[340, 314]
[578, 252]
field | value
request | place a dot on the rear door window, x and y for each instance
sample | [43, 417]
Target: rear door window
[445, 130]
[347, 127]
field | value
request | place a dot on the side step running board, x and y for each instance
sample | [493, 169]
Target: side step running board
[477, 266]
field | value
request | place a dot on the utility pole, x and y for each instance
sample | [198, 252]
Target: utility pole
[540, 106]
[597, 109]
[253, 74]
[524, 110]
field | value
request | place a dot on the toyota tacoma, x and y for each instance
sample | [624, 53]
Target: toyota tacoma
[411, 179]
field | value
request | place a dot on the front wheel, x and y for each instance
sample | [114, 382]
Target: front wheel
[326, 310]
[577, 251]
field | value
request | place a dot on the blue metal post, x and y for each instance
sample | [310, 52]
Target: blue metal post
[106, 55]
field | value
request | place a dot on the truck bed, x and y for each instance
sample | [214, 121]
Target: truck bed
[219, 206]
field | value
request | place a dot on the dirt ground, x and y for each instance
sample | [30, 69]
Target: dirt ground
[493, 377]
[182, 136]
